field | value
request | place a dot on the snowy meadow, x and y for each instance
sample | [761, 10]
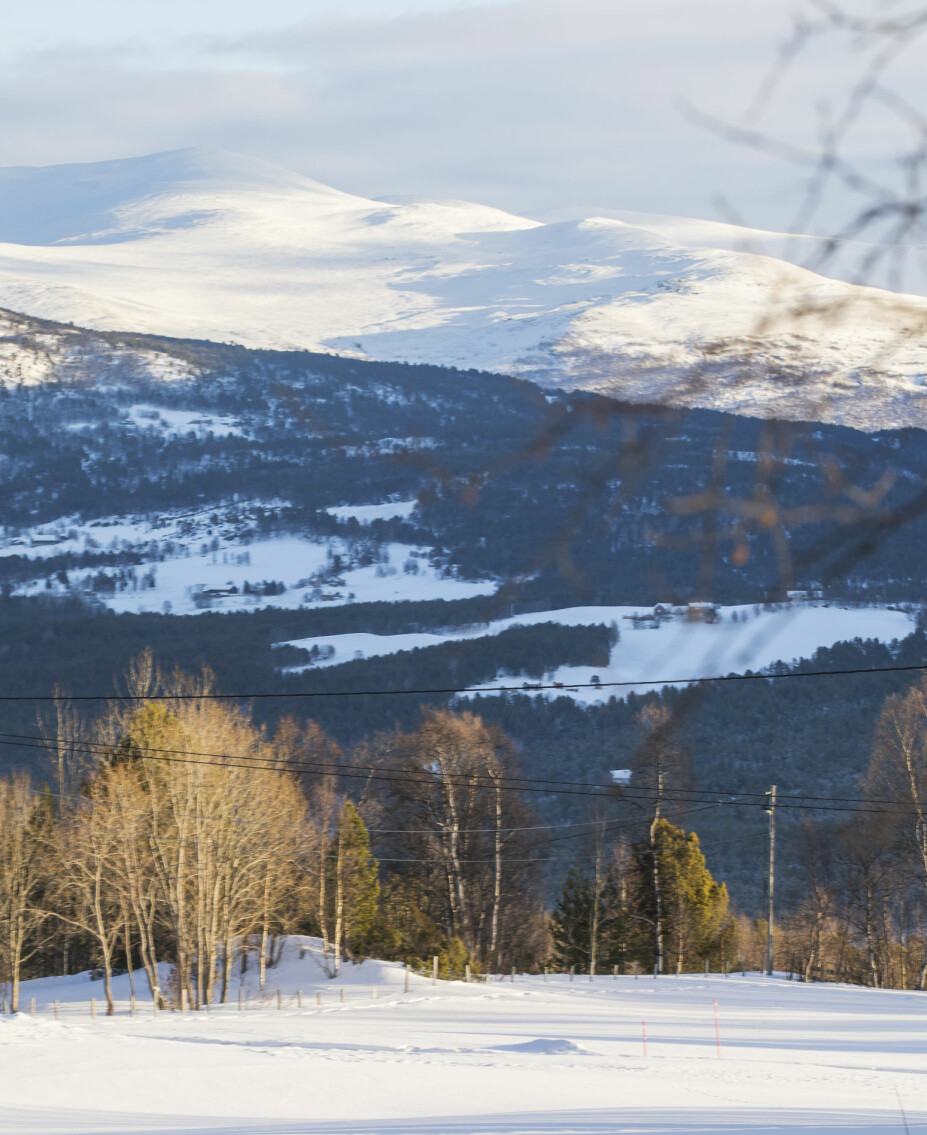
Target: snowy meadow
[506, 1057]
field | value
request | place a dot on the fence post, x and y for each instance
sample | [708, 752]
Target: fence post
[279, 1000]
[467, 973]
[31, 1006]
[706, 967]
[512, 978]
[299, 998]
[342, 995]
[240, 999]
[545, 973]
[132, 1005]
[434, 970]
[183, 1002]
[406, 986]
[318, 998]
[56, 1010]
[572, 971]
[717, 1029]
[373, 995]
[614, 972]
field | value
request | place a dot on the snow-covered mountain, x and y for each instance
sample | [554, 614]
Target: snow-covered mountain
[213, 245]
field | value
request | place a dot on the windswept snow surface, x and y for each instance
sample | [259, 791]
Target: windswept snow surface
[504, 1058]
[744, 638]
[213, 245]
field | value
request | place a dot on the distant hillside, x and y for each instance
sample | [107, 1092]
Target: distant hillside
[219, 246]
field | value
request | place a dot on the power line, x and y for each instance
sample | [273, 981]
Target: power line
[341, 768]
[689, 797]
[525, 688]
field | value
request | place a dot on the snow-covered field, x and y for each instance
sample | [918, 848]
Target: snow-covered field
[205, 560]
[744, 638]
[170, 421]
[199, 581]
[366, 513]
[504, 1058]
[213, 245]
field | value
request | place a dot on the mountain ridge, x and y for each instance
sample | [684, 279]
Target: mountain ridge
[211, 245]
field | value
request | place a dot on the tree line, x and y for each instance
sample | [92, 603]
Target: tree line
[178, 838]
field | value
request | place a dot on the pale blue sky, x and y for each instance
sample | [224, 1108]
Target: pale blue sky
[49, 23]
[550, 108]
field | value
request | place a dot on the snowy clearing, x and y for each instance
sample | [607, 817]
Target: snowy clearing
[220, 579]
[506, 1058]
[172, 421]
[209, 559]
[367, 513]
[744, 638]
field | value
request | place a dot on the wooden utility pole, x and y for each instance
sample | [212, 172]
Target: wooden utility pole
[771, 809]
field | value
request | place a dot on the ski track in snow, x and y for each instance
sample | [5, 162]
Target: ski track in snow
[504, 1058]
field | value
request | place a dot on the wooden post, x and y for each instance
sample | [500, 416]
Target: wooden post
[406, 987]
[299, 998]
[342, 995]
[656, 970]
[545, 973]
[240, 999]
[434, 970]
[31, 1006]
[373, 994]
[183, 1002]
[513, 975]
[279, 1000]
[318, 998]
[771, 884]
[56, 1010]
[717, 1029]
[572, 971]
[614, 972]
[93, 1008]
[467, 973]
[132, 1005]
[706, 967]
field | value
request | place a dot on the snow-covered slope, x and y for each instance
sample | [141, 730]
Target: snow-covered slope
[527, 1056]
[207, 244]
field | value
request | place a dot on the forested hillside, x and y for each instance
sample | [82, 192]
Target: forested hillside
[140, 465]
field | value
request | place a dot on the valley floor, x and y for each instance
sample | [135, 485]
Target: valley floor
[506, 1058]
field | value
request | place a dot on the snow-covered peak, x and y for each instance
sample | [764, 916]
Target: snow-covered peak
[130, 198]
[209, 244]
